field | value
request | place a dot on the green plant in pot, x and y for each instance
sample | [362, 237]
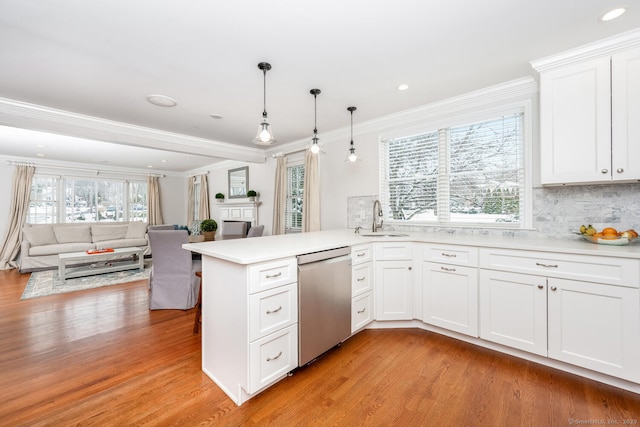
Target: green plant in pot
[219, 197]
[209, 227]
[252, 195]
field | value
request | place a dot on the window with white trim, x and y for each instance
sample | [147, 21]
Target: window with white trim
[295, 190]
[467, 174]
[68, 199]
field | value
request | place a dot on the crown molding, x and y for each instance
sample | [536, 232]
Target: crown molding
[37, 117]
[604, 47]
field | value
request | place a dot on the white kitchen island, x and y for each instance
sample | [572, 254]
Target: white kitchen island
[569, 304]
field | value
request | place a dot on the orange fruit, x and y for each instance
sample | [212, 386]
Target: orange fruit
[609, 231]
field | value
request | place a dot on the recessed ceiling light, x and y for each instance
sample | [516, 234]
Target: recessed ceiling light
[612, 14]
[217, 116]
[163, 161]
[162, 100]
[403, 87]
[149, 166]
[41, 146]
[41, 155]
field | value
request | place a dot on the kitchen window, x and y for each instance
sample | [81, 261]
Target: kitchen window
[468, 174]
[295, 189]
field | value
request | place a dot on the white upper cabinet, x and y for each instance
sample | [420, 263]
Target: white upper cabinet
[588, 101]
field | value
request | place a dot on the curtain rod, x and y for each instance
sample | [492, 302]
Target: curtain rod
[96, 171]
[289, 152]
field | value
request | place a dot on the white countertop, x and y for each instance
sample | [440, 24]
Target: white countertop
[259, 249]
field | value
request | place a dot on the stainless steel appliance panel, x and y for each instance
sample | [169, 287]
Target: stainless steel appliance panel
[324, 298]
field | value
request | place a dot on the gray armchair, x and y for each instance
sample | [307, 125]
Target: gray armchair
[173, 283]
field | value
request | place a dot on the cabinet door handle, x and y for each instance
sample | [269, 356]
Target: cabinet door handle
[547, 265]
[605, 171]
[362, 311]
[449, 255]
[553, 288]
[269, 359]
[274, 311]
[362, 254]
[540, 287]
[447, 269]
[410, 268]
[360, 279]
[620, 170]
[271, 276]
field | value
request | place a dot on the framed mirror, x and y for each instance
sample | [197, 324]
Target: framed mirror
[238, 182]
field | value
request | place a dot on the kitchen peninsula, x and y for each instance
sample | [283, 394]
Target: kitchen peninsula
[568, 304]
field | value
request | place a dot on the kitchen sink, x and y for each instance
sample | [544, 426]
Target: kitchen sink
[382, 234]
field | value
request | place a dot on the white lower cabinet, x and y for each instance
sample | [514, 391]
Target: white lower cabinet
[394, 290]
[595, 326]
[361, 311]
[271, 357]
[513, 310]
[450, 297]
[587, 324]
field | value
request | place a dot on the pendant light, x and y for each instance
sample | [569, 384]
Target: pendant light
[265, 135]
[315, 148]
[352, 149]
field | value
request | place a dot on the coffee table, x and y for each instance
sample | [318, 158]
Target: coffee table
[79, 264]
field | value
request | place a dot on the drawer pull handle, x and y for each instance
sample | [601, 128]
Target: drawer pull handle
[447, 269]
[361, 254]
[269, 359]
[449, 255]
[362, 311]
[605, 171]
[547, 265]
[360, 279]
[620, 170]
[271, 276]
[274, 311]
[540, 287]
[553, 288]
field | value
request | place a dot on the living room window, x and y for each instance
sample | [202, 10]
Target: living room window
[86, 200]
[468, 174]
[295, 189]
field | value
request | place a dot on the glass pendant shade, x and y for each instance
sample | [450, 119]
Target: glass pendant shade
[352, 155]
[264, 135]
[315, 147]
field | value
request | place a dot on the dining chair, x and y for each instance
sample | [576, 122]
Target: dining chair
[256, 231]
[173, 283]
[234, 230]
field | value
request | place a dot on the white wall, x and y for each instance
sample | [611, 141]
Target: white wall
[6, 180]
[173, 199]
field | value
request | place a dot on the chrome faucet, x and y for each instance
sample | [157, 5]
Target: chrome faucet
[376, 213]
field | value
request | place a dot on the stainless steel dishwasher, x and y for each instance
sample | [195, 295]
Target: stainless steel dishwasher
[324, 301]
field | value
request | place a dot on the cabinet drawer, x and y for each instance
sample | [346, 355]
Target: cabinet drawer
[361, 279]
[271, 357]
[458, 255]
[392, 251]
[361, 311]
[271, 274]
[272, 310]
[360, 254]
[598, 269]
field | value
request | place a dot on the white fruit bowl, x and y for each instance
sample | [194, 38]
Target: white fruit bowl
[620, 241]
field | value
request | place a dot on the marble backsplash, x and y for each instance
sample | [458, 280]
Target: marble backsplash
[557, 212]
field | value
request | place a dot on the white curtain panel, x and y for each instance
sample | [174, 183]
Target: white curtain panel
[279, 197]
[21, 193]
[153, 193]
[311, 193]
[204, 211]
[191, 201]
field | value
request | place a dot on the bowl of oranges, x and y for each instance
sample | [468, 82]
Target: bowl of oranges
[608, 235]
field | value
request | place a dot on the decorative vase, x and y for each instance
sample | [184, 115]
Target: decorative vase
[209, 236]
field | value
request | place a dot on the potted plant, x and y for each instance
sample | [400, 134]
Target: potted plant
[220, 197]
[209, 227]
[252, 195]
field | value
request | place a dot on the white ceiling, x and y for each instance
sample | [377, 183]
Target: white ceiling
[101, 58]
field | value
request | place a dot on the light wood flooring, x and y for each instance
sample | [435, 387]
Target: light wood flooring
[101, 358]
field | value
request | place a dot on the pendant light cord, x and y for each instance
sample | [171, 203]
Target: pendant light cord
[315, 114]
[264, 92]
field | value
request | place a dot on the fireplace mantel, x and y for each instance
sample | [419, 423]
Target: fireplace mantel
[239, 211]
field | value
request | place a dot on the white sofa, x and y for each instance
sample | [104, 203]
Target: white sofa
[41, 243]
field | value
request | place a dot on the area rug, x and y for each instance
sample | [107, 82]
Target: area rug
[43, 283]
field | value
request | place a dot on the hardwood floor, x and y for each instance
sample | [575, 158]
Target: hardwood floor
[100, 357]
